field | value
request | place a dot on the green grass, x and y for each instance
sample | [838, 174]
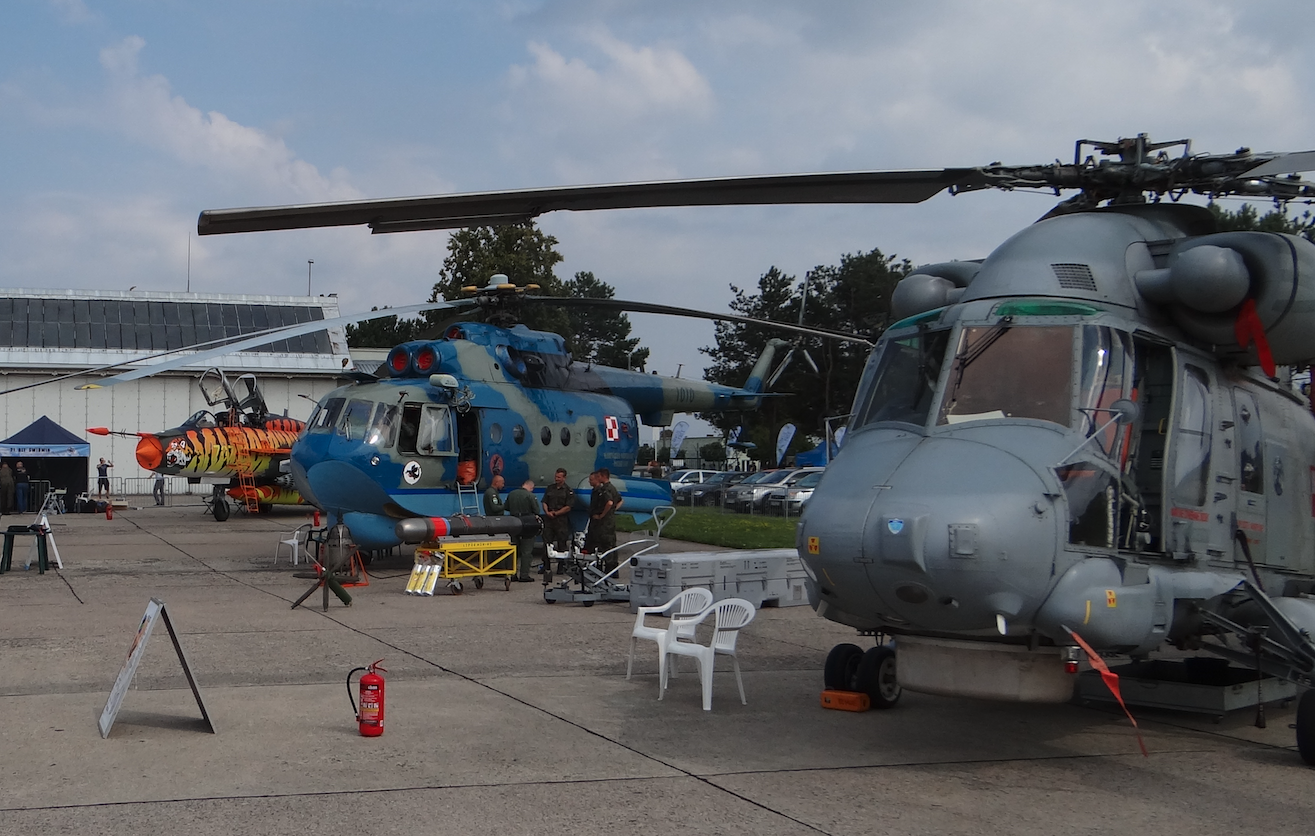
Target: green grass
[719, 528]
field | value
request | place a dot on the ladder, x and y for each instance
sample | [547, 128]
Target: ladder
[468, 498]
[247, 483]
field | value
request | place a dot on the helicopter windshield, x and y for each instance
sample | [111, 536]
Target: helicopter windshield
[1006, 371]
[900, 378]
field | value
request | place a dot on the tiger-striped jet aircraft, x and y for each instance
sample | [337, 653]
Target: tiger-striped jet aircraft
[239, 440]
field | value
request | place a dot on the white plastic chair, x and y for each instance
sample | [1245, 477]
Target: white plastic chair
[685, 603]
[294, 543]
[732, 615]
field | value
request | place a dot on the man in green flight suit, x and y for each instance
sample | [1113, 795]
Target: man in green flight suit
[558, 498]
[523, 503]
[602, 516]
[493, 506]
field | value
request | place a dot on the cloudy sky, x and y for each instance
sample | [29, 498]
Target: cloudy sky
[120, 121]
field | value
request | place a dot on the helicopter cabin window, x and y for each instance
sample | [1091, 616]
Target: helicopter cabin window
[900, 378]
[383, 431]
[591, 437]
[495, 433]
[1191, 461]
[545, 436]
[1005, 371]
[1248, 443]
[1106, 374]
[356, 419]
[327, 416]
[518, 434]
[566, 436]
[435, 435]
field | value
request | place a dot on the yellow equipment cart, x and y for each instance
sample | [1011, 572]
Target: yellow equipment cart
[455, 559]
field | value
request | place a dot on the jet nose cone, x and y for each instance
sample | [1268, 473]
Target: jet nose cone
[150, 452]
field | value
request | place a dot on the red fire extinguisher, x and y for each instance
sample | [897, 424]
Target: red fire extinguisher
[370, 717]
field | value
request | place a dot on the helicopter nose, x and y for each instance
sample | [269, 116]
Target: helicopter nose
[150, 452]
[958, 536]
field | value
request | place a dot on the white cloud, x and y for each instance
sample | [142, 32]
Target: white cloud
[145, 109]
[628, 82]
[72, 11]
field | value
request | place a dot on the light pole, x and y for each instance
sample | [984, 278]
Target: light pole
[309, 262]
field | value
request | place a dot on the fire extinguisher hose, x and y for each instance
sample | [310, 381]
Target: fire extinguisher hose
[355, 712]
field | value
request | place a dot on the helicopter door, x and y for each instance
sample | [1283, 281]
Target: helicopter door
[1153, 390]
[1191, 525]
[1250, 474]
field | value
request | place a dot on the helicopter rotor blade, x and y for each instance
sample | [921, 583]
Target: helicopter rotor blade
[809, 359]
[493, 208]
[671, 310]
[1293, 163]
[266, 337]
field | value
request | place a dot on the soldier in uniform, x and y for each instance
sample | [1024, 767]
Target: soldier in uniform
[602, 516]
[522, 503]
[492, 502]
[557, 501]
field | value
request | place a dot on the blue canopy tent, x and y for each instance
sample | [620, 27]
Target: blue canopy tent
[816, 457]
[51, 454]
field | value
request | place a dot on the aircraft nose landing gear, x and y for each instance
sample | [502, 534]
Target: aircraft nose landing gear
[850, 668]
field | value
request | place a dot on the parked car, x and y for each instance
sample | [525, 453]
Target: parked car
[682, 477]
[789, 500]
[749, 495]
[709, 491]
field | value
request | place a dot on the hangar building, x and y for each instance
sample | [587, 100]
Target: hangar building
[46, 333]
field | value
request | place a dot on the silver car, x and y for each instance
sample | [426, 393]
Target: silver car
[790, 499]
[749, 495]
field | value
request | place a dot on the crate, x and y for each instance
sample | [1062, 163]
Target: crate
[764, 577]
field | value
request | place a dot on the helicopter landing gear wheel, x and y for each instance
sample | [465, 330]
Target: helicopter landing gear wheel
[479, 583]
[1306, 727]
[220, 510]
[841, 666]
[876, 677]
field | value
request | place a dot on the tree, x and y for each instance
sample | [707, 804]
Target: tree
[383, 333]
[1275, 220]
[851, 296]
[597, 335]
[713, 452]
[520, 251]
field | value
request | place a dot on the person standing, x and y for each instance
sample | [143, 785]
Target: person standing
[7, 485]
[157, 488]
[602, 517]
[493, 506]
[22, 481]
[523, 503]
[558, 498]
[103, 477]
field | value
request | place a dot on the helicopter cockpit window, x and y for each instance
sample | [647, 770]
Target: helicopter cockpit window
[900, 378]
[383, 430]
[1191, 461]
[327, 415]
[1106, 373]
[435, 436]
[1004, 371]
[355, 419]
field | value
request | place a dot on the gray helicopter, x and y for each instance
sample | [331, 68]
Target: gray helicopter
[1087, 439]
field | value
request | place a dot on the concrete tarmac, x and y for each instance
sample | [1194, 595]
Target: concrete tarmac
[509, 716]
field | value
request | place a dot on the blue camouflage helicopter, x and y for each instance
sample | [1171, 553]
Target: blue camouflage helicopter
[444, 416]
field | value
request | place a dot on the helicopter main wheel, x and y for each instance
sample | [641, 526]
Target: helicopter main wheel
[221, 510]
[1305, 726]
[876, 677]
[841, 667]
